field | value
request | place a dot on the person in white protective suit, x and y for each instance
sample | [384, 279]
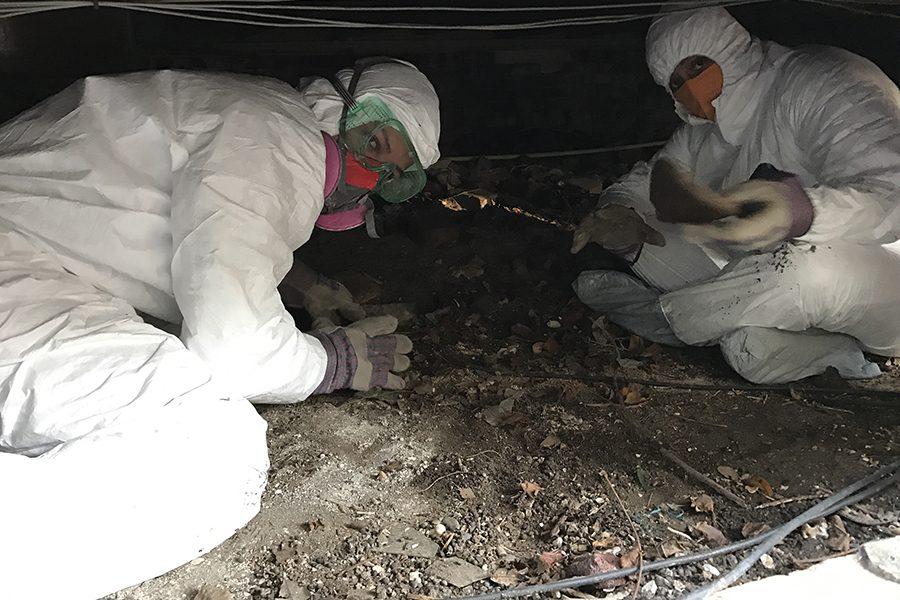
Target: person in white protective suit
[124, 450]
[812, 280]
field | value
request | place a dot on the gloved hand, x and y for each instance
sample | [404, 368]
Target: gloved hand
[363, 355]
[770, 208]
[324, 299]
[618, 229]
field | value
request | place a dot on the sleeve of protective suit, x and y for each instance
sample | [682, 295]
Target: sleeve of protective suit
[246, 197]
[846, 113]
[633, 190]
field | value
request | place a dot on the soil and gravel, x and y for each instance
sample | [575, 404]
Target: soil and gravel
[503, 463]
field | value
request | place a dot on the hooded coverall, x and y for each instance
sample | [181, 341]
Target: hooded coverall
[124, 450]
[824, 114]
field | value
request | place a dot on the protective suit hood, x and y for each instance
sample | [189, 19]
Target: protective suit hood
[714, 33]
[401, 86]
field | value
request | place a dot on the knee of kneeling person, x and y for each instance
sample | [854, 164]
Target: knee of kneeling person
[741, 355]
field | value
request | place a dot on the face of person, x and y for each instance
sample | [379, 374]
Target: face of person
[687, 69]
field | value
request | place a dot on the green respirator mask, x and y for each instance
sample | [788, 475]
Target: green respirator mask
[361, 123]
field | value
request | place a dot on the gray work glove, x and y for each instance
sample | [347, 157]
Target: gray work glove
[324, 299]
[364, 355]
[618, 229]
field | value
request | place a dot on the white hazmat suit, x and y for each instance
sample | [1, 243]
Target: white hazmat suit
[824, 114]
[126, 451]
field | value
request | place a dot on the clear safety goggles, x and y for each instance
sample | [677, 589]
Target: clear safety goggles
[361, 131]
[361, 123]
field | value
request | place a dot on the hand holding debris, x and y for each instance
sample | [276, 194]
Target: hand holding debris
[616, 228]
[364, 355]
[770, 208]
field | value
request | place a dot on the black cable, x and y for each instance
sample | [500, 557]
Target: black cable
[679, 385]
[830, 505]
[812, 513]
[719, 387]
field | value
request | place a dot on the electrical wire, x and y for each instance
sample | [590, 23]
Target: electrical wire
[556, 154]
[890, 478]
[712, 387]
[267, 14]
[864, 489]
[228, 13]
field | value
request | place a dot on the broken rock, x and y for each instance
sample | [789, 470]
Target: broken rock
[291, 590]
[594, 564]
[456, 572]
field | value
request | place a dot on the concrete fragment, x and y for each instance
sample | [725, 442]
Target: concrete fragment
[456, 572]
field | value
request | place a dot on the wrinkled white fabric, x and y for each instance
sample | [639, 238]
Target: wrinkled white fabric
[120, 458]
[124, 450]
[401, 86]
[824, 114]
[184, 195]
[767, 355]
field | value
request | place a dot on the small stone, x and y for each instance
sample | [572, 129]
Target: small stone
[554, 324]
[440, 529]
[710, 572]
[649, 589]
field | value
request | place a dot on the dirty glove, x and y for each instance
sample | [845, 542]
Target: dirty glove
[618, 229]
[363, 355]
[770, 208]
[324, 299]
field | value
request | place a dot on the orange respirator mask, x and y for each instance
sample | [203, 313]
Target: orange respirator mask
[697, 94]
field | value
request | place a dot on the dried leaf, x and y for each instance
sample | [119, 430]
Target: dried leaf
[645, 480]
[505, 577]
[712, 534]
[502, 414]
[755, 483]
[703, 503]
[530, 488]
[839, 540]
[672, 547]
[631, 558]
[811, 531]
[729, 473]
[635, 344]
[606, 541]
[546, 561]
[751, 529]
[631, 394]
[551, 441]
[466, 493]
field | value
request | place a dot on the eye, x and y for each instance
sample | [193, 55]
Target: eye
[374, 144]
[698, 66]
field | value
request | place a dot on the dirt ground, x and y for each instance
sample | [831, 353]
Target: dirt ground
[490, 470]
